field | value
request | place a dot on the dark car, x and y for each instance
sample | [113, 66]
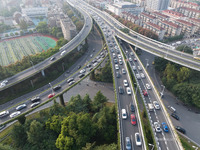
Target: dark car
[35, 99]
[175, 116]
[70, 79]
[56, 87]
[52, 58]
[20, 107]
[79, 66]
[121, 90]
[81, 75]
[132, 108]
[88, 65]
[180, 129]
[117, 74]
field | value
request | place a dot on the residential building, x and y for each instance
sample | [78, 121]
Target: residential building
[147, 18]
[155, 28]
[173, 14]
[197, 23]
[187, 27]
[178, 3]
[160, 16]
[119, 7]
[68, 28]
[153, 5]
[171, 28]
[189, 12]
[35, 11]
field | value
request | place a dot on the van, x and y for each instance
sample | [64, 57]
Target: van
[4, 113]
[150, 107]
[124, 115]
[172, 109]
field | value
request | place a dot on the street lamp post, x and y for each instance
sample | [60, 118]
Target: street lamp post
[51, 87]
[162, 90]
[183, 50]
[152, 146]
[32, 64]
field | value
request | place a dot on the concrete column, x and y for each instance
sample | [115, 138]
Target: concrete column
[43, 74]
[62, 102]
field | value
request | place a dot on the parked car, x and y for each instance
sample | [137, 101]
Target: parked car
[20, 107]
[35, 104]
[35, 99]
[51, 95]
[138, 140]
[133, 119]
[56, 87]
[128, 143]
[157, 127]
[180, 129]
[165, 127]
[175, 116]
[15, 114]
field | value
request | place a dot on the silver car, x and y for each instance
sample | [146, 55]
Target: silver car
[128, 143]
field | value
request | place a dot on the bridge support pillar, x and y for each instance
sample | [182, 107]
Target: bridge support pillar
[43, 73]
[136, 48]
[62, 102]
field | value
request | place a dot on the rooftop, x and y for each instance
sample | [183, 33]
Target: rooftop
[190, 9]
[147, 15]
[155, 26]
[159, 14]
[173, 13]
[124, 5]
[184, 22]
[170, 24]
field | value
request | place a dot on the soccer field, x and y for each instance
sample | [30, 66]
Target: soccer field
[13, 50]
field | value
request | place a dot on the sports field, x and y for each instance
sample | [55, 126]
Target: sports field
[12, 50]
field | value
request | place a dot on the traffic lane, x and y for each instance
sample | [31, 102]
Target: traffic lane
[188, 119]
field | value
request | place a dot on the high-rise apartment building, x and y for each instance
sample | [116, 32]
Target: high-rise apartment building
[157, 4]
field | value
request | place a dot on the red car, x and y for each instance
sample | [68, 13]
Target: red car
[135, 59]
[51, 95]
[144, 93]
[133, 119]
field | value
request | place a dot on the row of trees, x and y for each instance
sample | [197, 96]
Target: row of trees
[182, 81]
[134, 27]
[82, 124]
[103, 74]
[4, 27]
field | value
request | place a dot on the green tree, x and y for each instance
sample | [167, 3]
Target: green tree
[30, 31]
[42, 27]
[35, 132]
[99, 101]
[11, 34]
[54, 123]
[6, 35]
[19, 136]
[16, 33]
[185, 49]
[22, 119]
[160, 63]
[183, 74]
[88, 103]
[21, 32]
[112, 146]
[23, 25]
[5, 147]
[170, 74]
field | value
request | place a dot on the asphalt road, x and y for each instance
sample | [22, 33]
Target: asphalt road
[189, 120]
[41, 66]
[95, 43]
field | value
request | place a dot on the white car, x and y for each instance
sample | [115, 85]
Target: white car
[120, 62]
[63, 52]
[15, 114]
[130, 59]
[148, 86]
[134, 68]
[138, 76]
[116, 67]
[131, 53]
[82, 71]
[139, 68]
[157, 127]
[35, 104]
[124, 115]
[119, 56]
[156, 105]
[142, 75]
[123, 71]
[138, 140]
[128, 90]
[125, 83]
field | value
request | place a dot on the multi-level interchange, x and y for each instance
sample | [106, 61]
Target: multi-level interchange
[131, 134]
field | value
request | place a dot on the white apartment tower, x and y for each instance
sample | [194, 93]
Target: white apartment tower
[157, 4]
